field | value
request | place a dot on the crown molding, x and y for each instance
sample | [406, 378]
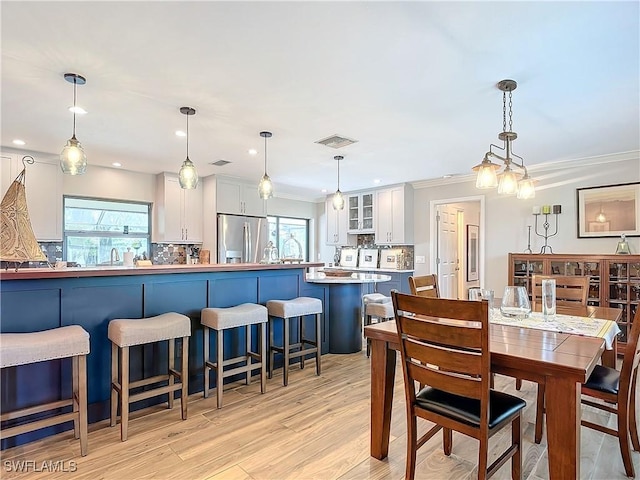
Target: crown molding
[540, 167]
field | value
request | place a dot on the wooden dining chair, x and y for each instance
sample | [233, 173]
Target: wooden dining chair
[444, 344]
[571, 299]
[570, 290]
[617, 392]
[425, 286]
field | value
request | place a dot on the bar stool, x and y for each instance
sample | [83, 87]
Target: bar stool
[125, 333]
[288, 309]
[221, 319]
[381, 311]
[64, 342]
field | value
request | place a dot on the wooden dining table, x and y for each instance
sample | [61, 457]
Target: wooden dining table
[561, 361]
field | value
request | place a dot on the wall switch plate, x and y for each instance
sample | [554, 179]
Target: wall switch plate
[420, 259]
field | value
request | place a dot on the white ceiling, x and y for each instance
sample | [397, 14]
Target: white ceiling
[413, 82]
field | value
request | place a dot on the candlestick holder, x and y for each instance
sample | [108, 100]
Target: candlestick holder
[528, 249]
[546, 211]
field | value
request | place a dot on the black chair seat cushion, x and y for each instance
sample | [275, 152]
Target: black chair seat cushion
[604, 379]
[467, 410]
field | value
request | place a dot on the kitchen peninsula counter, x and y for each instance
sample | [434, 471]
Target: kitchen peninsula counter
[111, 271]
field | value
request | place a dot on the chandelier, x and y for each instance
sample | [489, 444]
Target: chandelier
[508, 181]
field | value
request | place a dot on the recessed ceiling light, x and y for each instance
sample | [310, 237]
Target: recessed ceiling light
[324, 190]
[116, 164]
[376, 181]
[17, 141]
[77, 109]
[448, 175]
[180, 133]
[253, 151]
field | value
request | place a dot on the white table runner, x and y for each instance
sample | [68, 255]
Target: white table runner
[573, 324]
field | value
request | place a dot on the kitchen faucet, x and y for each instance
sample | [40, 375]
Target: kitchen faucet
[117, 259]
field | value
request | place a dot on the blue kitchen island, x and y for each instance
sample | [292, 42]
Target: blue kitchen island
[40, 299]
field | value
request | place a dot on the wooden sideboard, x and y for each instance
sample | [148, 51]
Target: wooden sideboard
[614, 280]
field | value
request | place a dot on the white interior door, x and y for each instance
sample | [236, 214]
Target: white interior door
[447, 255]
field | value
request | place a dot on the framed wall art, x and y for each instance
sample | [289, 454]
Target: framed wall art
[609, 211]
[472, 252]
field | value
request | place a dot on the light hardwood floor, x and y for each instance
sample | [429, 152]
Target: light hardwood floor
[315, 428]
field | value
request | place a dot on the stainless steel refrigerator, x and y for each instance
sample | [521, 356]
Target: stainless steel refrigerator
[241, 239]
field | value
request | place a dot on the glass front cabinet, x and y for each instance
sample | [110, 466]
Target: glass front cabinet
[614, 280]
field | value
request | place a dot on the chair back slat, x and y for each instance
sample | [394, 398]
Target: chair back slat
[467, 361]
[437, 331]
[451, 382]
[570, 290]
[444, 344]
[424, 286]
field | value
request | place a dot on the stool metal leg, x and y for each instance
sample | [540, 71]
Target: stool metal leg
[263, 357]
[207, 368]
[219, 367]
[124, 393]
[184, 377]
[115, 351]
[318, 345]
[286, 351]
[248, 338]
[172, 359]
[82, 400]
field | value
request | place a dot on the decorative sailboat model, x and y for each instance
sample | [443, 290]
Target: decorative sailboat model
[17, 242]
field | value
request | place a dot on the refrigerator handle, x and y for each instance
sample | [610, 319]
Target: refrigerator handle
[246, 237]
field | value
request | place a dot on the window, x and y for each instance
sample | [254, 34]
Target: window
[282, 229]
[92, 228]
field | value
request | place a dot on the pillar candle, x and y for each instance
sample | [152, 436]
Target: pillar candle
[546, 209]
[536, 210]
[557, 209]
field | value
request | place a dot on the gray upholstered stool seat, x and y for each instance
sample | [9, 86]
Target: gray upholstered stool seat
[375, 298]
[381, 311]
[125, 333]
[287, 309]
[220, 319]
[64, 342]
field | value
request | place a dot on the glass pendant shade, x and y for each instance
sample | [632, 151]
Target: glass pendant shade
[265, 188]
[338, 200]
[487, 176]
[73, 160]
[526, 189]
[188, 176]
[508, 182]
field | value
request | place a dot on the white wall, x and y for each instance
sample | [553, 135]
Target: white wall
[506, 218]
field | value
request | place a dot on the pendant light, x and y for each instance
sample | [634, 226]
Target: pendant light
[338, 197]
[188, 176]
[265, 188]
[73, 160]
[508, 182]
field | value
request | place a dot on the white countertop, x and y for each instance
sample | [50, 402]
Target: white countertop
[364, 269]
[318, 276]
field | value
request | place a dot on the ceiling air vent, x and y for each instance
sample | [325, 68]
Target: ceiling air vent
[336, 141]
[219, 163]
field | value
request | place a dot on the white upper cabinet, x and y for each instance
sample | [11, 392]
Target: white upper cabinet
[239, 198]
[43, 188]
[336, 224]
[360, 211]
[178, 212]
[394, 216]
